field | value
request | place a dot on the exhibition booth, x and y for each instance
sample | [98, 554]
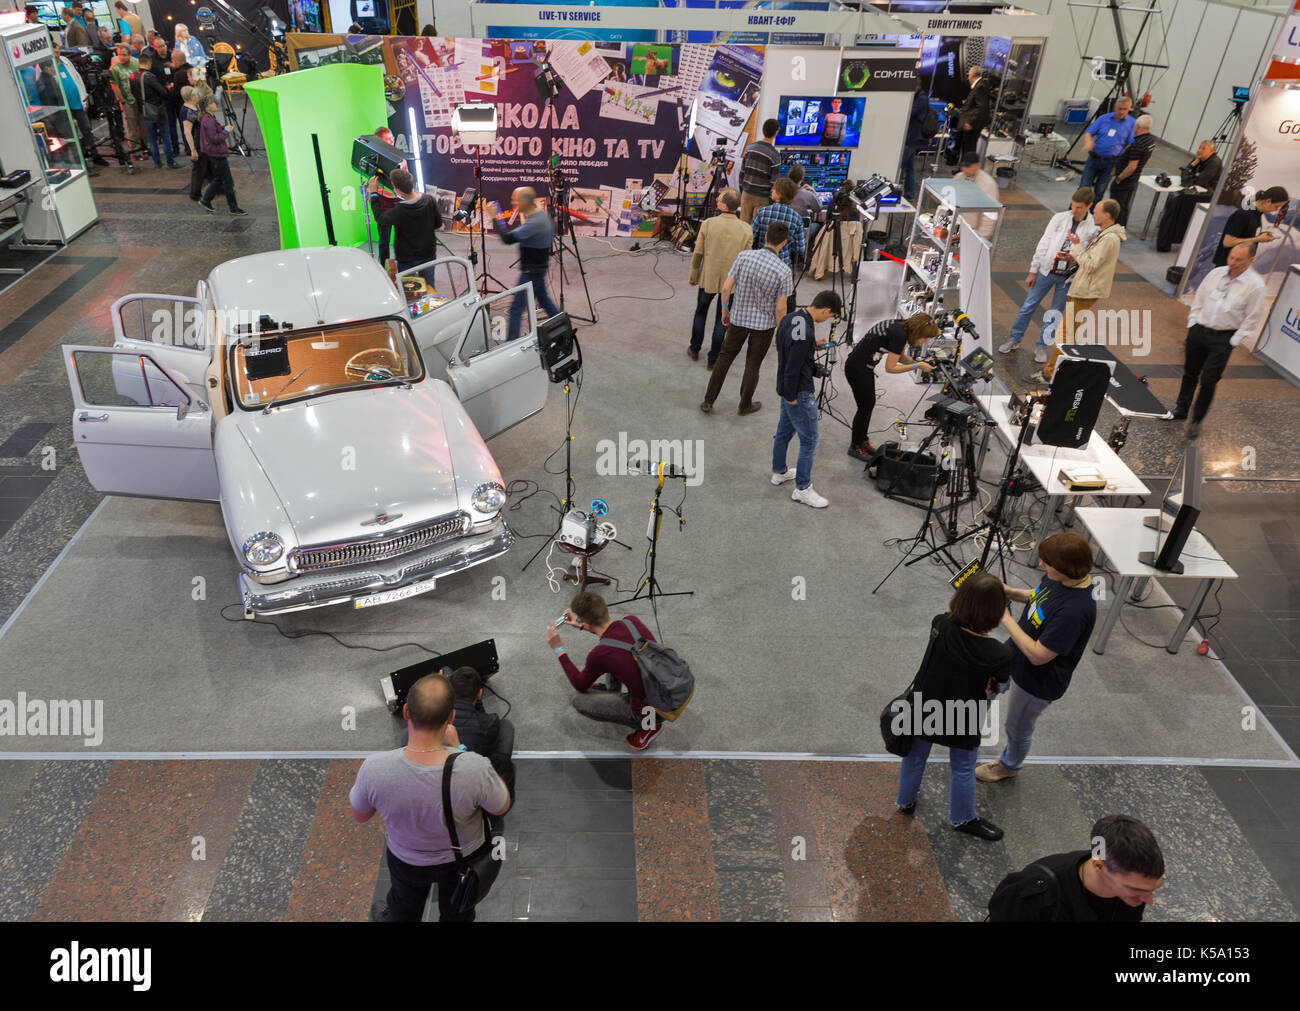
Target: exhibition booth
[625, 140]
[45, 197]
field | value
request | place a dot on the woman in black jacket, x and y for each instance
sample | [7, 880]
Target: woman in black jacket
[963, 666]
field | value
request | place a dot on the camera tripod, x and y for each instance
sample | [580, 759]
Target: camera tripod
[961, 482]
[825, 374]
[717, 183]
[843, 283]
[236, 122]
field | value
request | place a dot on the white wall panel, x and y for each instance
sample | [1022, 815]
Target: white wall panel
[1212, 39]
[1253, 33]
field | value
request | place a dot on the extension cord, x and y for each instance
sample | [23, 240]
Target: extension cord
[1204, 647]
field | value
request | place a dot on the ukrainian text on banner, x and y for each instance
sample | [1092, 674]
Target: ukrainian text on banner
[609, 116]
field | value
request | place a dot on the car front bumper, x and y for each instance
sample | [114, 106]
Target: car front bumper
[346, 585]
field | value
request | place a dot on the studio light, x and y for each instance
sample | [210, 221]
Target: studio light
[475, 123]
[415, 150]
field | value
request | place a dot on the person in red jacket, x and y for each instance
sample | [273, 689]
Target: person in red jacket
[623, 701]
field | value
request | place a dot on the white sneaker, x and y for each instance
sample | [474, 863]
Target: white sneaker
[810, 498]
[783, 478]
[1040, 355]
[1008, 347]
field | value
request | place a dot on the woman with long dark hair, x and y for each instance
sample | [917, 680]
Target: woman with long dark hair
[963, 667]
[893, 338]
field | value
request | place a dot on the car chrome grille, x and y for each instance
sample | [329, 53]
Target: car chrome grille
[381, 549]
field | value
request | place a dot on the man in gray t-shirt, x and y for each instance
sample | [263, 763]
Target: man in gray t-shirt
[405, 787]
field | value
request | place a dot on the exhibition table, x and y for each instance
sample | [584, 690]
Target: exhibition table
[1121, 536]
[1045, 462]
[1148, 182]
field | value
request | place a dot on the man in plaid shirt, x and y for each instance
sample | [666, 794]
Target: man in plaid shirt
[783, 192]
[762, 286]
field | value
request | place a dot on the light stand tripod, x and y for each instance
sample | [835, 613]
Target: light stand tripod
[649, 587]
[564, 216]
[566, 503]
[481, 210]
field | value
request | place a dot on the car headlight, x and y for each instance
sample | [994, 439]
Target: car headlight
[488, 498]
[263, 548]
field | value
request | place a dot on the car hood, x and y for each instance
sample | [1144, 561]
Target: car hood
[341, 460]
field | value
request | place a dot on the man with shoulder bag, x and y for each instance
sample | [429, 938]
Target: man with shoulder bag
[434, 797]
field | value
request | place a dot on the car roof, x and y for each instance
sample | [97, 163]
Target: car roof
[305, 287]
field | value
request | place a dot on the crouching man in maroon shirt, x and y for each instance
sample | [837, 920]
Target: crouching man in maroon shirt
[623, 702]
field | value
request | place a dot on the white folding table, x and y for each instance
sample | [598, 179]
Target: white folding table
[1045, 462]
[1120, 534]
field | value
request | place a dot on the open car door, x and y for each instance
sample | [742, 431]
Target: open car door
[499, 381]
[440, 298]
[169, 328]
[154, 441]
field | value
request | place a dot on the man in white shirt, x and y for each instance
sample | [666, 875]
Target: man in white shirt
[970, 170]
[1050, 271]
[1228, 308]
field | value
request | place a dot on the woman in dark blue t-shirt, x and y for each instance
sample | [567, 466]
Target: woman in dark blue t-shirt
[1049, 638]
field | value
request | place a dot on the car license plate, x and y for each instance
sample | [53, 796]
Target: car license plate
[388, 596]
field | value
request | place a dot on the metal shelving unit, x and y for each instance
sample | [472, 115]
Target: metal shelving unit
[932, 276]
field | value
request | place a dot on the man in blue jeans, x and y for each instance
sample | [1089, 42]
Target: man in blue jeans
[796, 343]
[1050, 638]
[534, 237]
[1104, 140]
[1050, 272]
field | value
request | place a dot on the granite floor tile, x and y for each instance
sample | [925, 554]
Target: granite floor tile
[336, 877]
[23, 440]
[812, 914]
[1238, 793]
[257, 877]
[41, 828]
[129, 847]
[598, 850]
[675, 874]
[587, 897]
[879, 863]
[746, 851]
[214, 830]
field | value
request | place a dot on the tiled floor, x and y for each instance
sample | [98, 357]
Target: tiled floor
[620, 839]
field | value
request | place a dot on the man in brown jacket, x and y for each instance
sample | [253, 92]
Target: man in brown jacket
[721, 238]
[1097, 261]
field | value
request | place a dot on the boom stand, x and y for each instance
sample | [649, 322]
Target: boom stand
[649, 588]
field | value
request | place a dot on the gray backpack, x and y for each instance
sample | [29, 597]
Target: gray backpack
[669, 683]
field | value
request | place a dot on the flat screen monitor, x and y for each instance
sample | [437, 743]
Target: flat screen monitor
[824, 171]
[820, 121]
[1179, 510]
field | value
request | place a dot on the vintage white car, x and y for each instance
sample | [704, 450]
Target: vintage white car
[340, 426]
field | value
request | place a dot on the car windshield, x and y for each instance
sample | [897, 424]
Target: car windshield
[282, 368]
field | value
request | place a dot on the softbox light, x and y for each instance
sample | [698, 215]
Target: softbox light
[475, 123]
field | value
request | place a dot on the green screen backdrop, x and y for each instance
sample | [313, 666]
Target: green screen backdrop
[338, 103]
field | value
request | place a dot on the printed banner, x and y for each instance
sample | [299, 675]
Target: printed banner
[1265, 155]
[610, 117]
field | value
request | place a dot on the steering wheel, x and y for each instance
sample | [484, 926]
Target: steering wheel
[373, 365]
